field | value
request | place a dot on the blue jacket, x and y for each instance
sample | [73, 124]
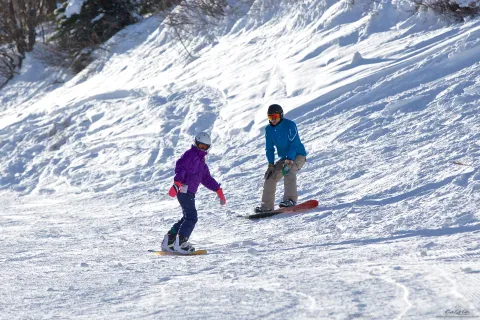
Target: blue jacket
[192, 170]
[284, 136]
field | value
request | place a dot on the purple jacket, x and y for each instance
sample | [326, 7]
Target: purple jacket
[192, 170]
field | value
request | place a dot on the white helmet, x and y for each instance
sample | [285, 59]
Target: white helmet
[203, 138]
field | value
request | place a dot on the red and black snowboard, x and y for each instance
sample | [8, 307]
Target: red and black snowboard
[304, 206]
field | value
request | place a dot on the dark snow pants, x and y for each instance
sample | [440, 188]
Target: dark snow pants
[185, 225]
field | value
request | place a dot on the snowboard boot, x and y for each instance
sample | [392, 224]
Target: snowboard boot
[168, 242]
[182, 245]
[262, 210]
[287, 203]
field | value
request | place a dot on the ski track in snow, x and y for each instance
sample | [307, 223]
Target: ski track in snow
[387, 105]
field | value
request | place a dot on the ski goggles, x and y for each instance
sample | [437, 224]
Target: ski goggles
[275, 116]
[203, 146]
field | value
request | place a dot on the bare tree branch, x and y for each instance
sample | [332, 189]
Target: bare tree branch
[18, 22]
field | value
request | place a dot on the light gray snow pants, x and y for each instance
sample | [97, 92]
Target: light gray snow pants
[289, 182]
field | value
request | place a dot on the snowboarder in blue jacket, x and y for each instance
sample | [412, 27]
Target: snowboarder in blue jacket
[281, 134]
[190, 171]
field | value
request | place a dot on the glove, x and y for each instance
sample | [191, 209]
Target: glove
[286, 169]
[174, 189]
[221, 196]
[270, 171]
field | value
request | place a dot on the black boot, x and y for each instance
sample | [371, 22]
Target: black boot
[262, 210]
[287, 203]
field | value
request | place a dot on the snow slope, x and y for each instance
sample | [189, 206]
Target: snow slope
[387, 105]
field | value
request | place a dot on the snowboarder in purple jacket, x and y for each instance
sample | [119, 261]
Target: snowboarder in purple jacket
[190, 171]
